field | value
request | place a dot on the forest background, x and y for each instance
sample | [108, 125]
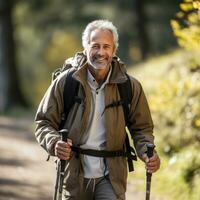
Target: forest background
[159, 42]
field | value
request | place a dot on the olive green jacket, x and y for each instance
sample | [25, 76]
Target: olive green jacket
[49, 114]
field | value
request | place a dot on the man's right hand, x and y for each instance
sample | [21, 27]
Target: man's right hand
[63, 149]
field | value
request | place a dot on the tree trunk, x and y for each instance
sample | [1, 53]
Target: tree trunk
[10, 92]
[141, 27]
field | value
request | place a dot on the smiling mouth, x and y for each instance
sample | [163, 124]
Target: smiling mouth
[100, 60]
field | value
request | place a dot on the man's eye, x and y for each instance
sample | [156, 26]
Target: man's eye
[107, 47]
[95, 46]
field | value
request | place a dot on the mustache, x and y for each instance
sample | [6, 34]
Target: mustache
[99, 57]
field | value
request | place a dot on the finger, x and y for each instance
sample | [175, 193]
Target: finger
[153, 168]
[154, 160]
[62, 144]
[69, 142]
[152, 163]
[145, 158]
[63, 152]
[154, 157]
[63, 155]
[63, 148]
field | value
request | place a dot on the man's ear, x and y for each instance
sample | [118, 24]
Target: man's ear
[114, 52]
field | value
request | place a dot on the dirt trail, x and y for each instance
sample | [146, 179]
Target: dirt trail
[24, 174]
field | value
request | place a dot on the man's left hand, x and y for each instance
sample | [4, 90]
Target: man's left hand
[152, 164]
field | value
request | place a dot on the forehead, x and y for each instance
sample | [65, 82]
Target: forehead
[101, 36]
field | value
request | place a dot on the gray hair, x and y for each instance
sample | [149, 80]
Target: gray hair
[102, 25]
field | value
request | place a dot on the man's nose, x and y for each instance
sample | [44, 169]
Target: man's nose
[101, 51]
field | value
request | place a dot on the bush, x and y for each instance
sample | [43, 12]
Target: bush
[171, 83]
[186, 24]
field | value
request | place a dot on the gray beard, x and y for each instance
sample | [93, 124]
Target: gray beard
[99, 67]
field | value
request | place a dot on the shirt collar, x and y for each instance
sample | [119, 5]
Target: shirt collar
[93, 83]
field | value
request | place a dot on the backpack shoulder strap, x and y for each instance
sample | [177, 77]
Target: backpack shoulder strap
[126, 95]
[69, 95]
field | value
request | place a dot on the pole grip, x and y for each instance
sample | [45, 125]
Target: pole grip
[60, 171]
[150, 149]
[64, 134]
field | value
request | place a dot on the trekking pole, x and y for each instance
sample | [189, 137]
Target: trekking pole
[60, 170]
[150, 148]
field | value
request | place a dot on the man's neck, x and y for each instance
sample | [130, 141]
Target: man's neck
[99, 75]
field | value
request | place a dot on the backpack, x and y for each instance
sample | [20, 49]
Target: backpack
[70, 97]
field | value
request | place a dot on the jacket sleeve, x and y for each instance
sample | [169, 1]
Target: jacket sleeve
[141, 127]
[48, 116]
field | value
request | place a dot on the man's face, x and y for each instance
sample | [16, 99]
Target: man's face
[101, 49]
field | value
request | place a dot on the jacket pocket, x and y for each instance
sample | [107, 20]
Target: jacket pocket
[71, 180]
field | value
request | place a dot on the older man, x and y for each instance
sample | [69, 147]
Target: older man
[94, 125]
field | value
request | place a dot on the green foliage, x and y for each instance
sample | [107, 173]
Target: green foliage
[171, 83]
[62, 46]
[186, 26]
[47, 32]
[179, 110]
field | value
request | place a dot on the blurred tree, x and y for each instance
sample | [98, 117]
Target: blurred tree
[141, 28]
[10, 91]
[49, 31]
[132, 29]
